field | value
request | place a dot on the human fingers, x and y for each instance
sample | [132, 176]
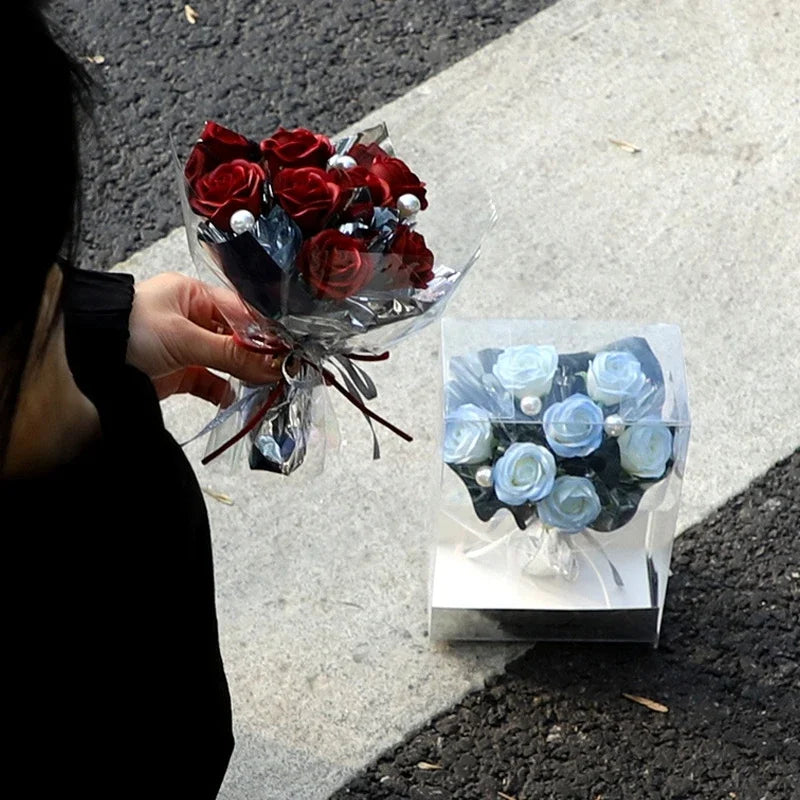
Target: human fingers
[196, 345]
[219, 310]
[215, 307]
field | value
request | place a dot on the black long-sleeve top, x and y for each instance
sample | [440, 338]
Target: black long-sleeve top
[117, 686]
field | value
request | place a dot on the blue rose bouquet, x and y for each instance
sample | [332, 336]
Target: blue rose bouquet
[572, 440]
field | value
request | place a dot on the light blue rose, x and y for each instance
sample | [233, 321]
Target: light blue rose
[571, 506]
[613, 376]
[574, 427]
[525, 472]
[468, 435]
[527, 370]
[645, 448]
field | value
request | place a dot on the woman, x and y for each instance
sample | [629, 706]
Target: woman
[117, 685]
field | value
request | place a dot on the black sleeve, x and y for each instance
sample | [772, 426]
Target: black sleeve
[118, 543]
[97, 307]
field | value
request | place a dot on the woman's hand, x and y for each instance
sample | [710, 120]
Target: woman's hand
[177, 331]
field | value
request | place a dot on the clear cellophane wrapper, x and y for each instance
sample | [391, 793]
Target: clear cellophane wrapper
[322, 343]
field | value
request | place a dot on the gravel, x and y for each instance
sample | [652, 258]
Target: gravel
[250, 64]
[556, 725]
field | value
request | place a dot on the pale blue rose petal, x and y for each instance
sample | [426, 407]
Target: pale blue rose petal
[572, 505]
[574, 427]
[613, 376]
[468, 436]
[527, 370]
[524, 473]
[645, 448]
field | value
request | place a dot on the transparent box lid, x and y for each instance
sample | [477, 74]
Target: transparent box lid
[502, 365]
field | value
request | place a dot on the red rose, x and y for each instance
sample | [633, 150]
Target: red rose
[335, 265]
[408, 262]
[230, 187]
[366, 154]
[361, 178]
[223, 144]
[297, 148]
[216, 146]
[349, 180]
[309, 195]
[400, 178]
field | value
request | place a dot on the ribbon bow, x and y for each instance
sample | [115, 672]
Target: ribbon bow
[355, 385]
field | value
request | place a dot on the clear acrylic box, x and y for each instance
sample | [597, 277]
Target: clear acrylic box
[563, 447]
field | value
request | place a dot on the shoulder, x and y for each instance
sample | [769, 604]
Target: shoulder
[97, 308]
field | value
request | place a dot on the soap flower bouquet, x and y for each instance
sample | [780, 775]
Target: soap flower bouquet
[319, 240]
[566, 443]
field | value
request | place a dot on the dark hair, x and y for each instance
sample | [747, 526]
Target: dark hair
[42, 174]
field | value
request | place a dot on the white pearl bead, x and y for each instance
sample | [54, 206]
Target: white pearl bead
[408, 205]
[242, 221]
[483, 477]
[530, 406]
[337, 161]
[614, 425]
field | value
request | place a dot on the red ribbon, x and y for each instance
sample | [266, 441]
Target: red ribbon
[282, 348]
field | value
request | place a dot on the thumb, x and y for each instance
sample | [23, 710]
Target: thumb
[220, 351]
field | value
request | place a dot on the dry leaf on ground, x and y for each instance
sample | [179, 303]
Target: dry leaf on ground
[98, 59]
[190, 14]
[646, 702]
[626, 146]
[220, 497]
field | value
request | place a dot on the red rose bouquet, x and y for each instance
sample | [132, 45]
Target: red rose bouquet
[318, 238]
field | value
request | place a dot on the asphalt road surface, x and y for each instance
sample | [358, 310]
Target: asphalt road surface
[249, 64]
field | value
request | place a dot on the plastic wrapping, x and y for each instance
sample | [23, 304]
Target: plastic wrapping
[319, 241]
[563, 450]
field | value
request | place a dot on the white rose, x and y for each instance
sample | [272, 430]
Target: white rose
[613, 376]
[645, 448]
[468, 436]
[527, 370]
